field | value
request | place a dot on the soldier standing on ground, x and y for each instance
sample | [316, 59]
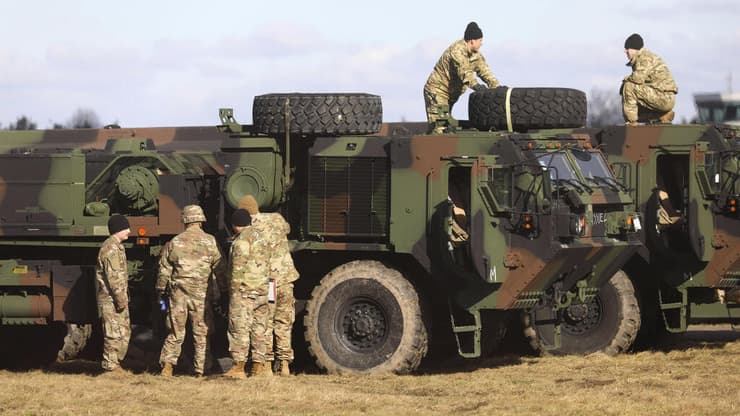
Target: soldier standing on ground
[186, 267]
[282, 275]
[454, 72]
[650, 88]
[111, 278]
[248, 279]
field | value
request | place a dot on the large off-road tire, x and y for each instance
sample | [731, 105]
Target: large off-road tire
[314, 114]
[607, 324]
[530, 108]
[365, 318]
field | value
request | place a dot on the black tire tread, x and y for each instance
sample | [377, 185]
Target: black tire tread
[318, 114]
[531, 108]
[627, 331]
[409, 353]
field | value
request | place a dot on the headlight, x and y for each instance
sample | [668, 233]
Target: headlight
[578, 225]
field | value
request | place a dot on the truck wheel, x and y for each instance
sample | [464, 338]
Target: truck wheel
[530, 108]
[365, 318]
[329, 114]
[608, 324]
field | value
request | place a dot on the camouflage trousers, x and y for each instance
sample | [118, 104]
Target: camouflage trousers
[644, 97]
[280, 323]
[116, 334]
[182, 307]
[247, 323]
[432, 101]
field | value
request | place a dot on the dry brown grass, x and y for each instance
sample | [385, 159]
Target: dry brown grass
[699, 378]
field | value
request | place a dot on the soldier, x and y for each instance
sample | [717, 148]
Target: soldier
[650, 88]
[186, 267]
[248, 272]
[282, 275]
[454, 72]
[111, 278]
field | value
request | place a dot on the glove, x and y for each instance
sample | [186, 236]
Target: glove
[479, 87]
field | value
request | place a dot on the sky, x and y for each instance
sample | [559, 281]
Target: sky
[175, 63]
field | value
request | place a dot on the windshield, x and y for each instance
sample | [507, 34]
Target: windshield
[558, 162]
[594, 167]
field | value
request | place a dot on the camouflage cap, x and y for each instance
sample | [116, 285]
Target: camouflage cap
[250, 204]
[193, 213]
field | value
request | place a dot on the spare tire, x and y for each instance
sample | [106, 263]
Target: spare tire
[329, 114]
[530, 108]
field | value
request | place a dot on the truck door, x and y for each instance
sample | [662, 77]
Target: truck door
[702, 190]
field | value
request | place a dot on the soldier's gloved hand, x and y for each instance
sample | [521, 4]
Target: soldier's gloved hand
[479, 87]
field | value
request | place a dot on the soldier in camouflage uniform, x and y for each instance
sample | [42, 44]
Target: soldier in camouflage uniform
[187, 267]
[282, 274]
[650, 91]
[248, 309]
[454, 72]
[111, 278]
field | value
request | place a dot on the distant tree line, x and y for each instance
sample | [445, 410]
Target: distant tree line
[82, 118]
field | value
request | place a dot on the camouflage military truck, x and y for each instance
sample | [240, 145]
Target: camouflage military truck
[689, 271]
[397, 234]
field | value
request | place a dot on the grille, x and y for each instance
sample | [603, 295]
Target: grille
[348, 196]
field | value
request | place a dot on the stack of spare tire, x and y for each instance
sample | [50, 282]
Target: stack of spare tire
[528, 109]
[333, 114]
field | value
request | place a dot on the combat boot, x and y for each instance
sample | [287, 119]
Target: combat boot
[667, 118]
[236, 370]
[284, 367]
[261, 370]
[166, 370]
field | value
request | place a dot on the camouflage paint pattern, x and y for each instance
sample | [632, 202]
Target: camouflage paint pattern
[701, 162]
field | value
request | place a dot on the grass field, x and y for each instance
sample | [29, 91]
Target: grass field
[696, 376]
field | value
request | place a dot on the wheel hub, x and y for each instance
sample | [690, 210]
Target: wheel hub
[364, 325]
[582, 318]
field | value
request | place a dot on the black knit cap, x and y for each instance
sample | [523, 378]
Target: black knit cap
[634, 42]
[473, 32]
[241, 218]
[117, 223]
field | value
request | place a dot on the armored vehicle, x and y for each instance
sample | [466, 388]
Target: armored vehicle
[688, 271]
[397, 234]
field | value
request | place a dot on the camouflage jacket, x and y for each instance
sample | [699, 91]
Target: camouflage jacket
[249, 258]
[648, 68]
[282, 268]
[111, 273]
[455, 71]
[188, 261]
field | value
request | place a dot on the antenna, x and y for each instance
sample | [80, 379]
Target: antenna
[729, 82]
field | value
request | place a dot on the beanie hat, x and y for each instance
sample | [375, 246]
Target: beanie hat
[473, 31]
[634, 42]
[117, 223]
[250, 204]
[241, 218]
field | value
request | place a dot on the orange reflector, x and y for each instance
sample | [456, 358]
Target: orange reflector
[141, 231]
[733, 209]
[527, 226]
[733, 202]
[629, 220]
[527, 218]
[142, 241]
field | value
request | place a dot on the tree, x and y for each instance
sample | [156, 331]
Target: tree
[22, 123]
[84, 118]
[604, 108]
